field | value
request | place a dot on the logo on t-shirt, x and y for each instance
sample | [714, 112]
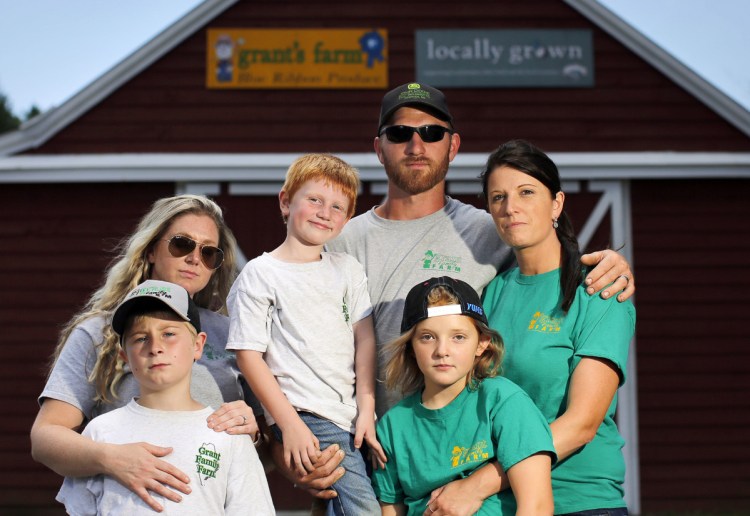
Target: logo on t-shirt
[211, 353]
[440, 262]
[544, 323]
[475, 453]
[345, 309]
[207, 462]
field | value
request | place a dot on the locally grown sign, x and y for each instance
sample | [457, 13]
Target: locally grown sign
[505, 58]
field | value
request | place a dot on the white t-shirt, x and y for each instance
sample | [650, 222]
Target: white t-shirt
[300, 315]
[226, 476]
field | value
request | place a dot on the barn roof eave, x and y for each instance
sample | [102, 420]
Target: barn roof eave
[718, 101]
[40, 129]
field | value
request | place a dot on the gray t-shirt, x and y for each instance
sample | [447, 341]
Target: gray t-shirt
[458, 241]
[214, 381]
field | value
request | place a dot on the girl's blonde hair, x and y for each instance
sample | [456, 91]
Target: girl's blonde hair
[130, 267]
[401, 370]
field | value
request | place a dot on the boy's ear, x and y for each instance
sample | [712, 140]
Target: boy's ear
[200, 341]
[284, 201]
[484, 341]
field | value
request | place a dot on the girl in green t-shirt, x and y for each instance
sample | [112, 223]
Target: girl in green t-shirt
[457, 416]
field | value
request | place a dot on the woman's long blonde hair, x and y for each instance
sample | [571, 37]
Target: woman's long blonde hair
[402, 372]
[131, 267]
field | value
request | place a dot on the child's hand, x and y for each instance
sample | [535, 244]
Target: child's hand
[365, 430]
[301, 447]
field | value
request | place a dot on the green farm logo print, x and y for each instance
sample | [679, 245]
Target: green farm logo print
[544, 323]
[345, 309]
[207, 462]
[440, 262]
[211, 353]
[477, 452]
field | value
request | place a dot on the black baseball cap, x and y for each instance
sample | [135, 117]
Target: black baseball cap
[421, 96]
[416, 309]
[154, 295]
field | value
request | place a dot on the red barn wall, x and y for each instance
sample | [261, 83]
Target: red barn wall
[692, 244]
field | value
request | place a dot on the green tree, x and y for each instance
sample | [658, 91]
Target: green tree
[8, 121]
[32, 112]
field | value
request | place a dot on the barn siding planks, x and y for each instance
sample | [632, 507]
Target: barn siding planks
[691, 248]
[56, 243]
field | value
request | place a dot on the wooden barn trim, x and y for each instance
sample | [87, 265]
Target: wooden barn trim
[264, 168]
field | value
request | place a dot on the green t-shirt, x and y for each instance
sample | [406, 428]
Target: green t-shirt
[543, 346]
[427, 448]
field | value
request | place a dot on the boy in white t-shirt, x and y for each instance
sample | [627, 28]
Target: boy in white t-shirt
[300, 320]
[160, 338]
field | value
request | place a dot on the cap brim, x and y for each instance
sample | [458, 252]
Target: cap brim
[140, 304]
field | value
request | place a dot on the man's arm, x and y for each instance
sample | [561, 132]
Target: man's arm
[612, 273]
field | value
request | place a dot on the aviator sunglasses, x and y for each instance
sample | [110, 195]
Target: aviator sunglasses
[404, 133]
[179, 246]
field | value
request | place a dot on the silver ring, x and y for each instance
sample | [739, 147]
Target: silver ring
[627, 280]
[244, 420]
[431, 509]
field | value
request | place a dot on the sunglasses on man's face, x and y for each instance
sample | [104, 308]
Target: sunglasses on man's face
[179, 246]
[404, 133]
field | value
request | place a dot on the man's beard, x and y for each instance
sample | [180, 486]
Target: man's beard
[415, 183]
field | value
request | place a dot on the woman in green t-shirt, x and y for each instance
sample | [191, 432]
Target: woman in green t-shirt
[566, 349]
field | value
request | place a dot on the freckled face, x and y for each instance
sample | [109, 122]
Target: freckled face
[317, 212]
[522, 207]
[445, 348]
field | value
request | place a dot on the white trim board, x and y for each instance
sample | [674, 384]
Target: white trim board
[265, 168]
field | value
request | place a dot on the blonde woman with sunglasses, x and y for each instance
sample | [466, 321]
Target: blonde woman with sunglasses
[183, 240]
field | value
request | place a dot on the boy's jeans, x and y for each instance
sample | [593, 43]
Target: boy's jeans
[355, 494]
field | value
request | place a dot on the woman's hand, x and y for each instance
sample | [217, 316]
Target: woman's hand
[466, 496]
[235, 417]
[56, 443]
[454, 499]
[138, 467]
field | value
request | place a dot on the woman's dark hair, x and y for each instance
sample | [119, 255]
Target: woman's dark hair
[525, 157]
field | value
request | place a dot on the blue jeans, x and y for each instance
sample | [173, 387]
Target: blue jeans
[355, 494]
[619, 511]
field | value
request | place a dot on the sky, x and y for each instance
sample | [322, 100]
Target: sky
[51, 49]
